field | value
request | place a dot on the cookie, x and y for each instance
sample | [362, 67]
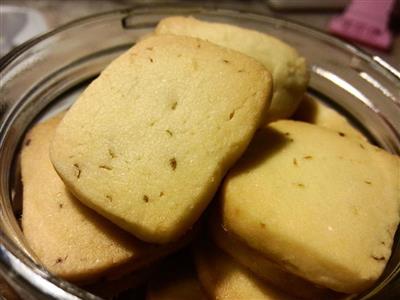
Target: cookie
[288, 68]
[71, 240]
[323, 206]
[314, 112]
[266, 269]
[148, 142]
[225, 279]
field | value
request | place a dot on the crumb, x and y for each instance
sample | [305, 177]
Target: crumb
[60, 260]
[77, 171]
[380, 258]
[173, 163]
[105, 167]
[111, 153]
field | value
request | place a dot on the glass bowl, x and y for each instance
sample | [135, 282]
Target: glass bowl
[45, 75]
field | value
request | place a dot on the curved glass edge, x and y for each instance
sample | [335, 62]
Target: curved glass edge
[30, 280]
[390, 72]
[10, 254]
[128, 13]
[383, 66]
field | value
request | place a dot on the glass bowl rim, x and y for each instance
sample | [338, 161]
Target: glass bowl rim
[390, 72]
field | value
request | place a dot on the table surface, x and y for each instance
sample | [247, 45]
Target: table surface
[58, 12]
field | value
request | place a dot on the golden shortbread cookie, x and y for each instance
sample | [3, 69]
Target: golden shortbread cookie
[314, 112]
[71, 240]
[147, 143]
[288, 68]
[323, 206]
[266, 269]
[225, 279]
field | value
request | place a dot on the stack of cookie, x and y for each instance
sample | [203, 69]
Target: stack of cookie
[194, 113]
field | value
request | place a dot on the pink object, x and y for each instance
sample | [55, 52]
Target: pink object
[365, 21]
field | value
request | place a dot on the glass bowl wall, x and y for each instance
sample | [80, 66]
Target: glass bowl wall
[44, 76]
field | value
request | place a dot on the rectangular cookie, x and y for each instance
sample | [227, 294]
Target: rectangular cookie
[148, 142]
[288, 68]
[71, 240]
[266, 269]
[318, 203]
[224, 279]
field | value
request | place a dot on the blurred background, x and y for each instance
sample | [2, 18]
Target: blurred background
[21, 20]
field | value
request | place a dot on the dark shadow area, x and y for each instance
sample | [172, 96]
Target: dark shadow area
[266, 143]
[306, 111]
[318, 96]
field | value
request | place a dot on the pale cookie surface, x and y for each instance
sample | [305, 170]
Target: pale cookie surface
[315, 112]
[287, 67]
[323, 206]
[269, 271]
[72, 241]
[225, 279]
[147, 143]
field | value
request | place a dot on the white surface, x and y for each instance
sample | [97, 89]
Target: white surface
[17, 25]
